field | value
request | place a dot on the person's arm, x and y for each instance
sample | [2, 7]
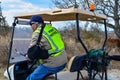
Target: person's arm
[34, 39]
[44, 44]
[32, 43]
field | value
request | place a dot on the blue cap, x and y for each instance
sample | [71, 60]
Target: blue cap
[36, 18]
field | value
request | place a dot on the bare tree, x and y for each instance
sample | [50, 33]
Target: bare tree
[4, 27]
[62, 4]
[111, 8]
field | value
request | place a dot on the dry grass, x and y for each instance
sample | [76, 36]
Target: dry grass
[4, 42]
[73, 47]
[2, 69]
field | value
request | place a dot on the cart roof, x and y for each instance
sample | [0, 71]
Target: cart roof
[64, 15]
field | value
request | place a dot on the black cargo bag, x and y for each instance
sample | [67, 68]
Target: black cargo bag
[21, 70]
[35, 52]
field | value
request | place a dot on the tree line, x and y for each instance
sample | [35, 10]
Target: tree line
[111, 8]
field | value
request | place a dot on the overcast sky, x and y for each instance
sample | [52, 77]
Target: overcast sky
[11, 8]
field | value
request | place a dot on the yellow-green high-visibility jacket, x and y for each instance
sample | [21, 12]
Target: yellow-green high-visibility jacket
[54, 39]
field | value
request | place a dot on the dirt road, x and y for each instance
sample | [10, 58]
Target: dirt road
[113, 74]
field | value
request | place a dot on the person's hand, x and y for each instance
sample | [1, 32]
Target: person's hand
[27, 57]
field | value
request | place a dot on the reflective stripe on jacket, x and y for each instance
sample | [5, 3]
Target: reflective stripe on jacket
[54, 39]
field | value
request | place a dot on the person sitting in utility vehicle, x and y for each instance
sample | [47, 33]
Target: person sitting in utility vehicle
[52, 42]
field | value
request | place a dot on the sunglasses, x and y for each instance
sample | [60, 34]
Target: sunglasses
[31, 24]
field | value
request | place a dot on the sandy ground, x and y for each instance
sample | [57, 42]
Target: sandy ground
[1, 74]
[113, 74]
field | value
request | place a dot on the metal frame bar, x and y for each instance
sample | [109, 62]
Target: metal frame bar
[105, 35]
[80, 40]
[78, 33]
[10, 46]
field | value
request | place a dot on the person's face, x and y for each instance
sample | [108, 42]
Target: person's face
[34, 26]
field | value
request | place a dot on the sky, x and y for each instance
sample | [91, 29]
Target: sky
[10, 8]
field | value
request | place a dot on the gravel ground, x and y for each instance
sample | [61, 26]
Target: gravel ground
[113, 74]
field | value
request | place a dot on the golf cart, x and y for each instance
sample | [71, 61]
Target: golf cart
[94, 61]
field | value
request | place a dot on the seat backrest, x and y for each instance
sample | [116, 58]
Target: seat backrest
[77, 63]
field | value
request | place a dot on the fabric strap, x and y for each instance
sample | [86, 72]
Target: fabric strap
[40, 35]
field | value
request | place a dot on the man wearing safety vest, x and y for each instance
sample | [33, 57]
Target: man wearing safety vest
[53, 43]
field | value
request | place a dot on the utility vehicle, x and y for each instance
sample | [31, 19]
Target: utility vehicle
[95, 61]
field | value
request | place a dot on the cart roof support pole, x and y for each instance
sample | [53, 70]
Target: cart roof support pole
[106, 77]
[105, 35]
[78, 33]
[10, 46]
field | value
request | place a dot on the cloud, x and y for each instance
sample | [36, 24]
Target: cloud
[10, 8]
[8, 1]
